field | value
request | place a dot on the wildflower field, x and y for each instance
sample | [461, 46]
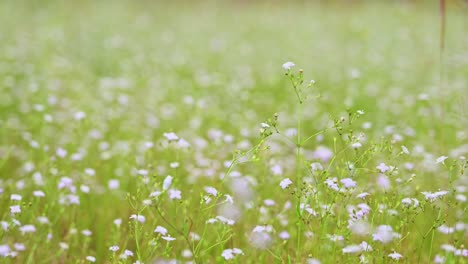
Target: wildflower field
[233, 132]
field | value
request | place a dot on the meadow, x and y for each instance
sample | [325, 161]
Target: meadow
[233, 132]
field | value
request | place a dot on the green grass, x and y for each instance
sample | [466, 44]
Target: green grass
[212, 74]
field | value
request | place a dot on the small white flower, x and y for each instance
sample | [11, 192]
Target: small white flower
[175, 194]
[15, 197]
[90, 258]
[171, 136]
[15, 209]
[114, 248]
[211, 190]
[348, 183]
[79, 115]
[139, 218]
[27, 229]
[285, 183]
[161, 230]
[441, 159]
[168, 238]
[383, 168]
[167, 182]
[288, 65]
[434, 196]
[395, 255]
[39, 193]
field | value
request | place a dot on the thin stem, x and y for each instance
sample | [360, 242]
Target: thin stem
[299, 183]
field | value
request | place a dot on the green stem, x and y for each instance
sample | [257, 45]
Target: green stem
[299, 183]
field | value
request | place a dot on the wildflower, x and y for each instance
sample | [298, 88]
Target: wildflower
[85, 188]
[90, 258]
[43, 220]
[313, 261]
[15, 197]
[39, 193]
[231, 253]
[276, 169]
[288, 65]
[365, 247]
[322, 153]
[441, 159]
[27, 229]
[434, 196]
[348, 183]
[229, 199]
[384, 234]
[285, 183]
[4, 250]
[79, 115]
[439, 259]
[167, 182]
[211, 190]
[171, 136]
[395, 255]
[352, 249]
[127, 253]
[363, 195]
[356, 145]
[284, 235]
[446, 229]
[168, 238]
[175, 194]
[15, 209]
[405, 150]
[161, 230]
[114, 248]
[64, 245]
[86, 232]
[383, 168]
[19, 246]
[118, 222]
[113, 184]
[139, 218]
[62, 153]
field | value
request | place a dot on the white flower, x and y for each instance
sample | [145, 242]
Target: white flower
[15, 197]
[86, 232]
[288, 65]
[91, 259]
[113, 184]
[79, 115]
[161, 230]
[139, 218]
[167, 182]
[229, 199]
[39, 193]
[27, 229]
[168, 238]
[171, 136]
[348, 183]
[211, 190]
[382, 167]
[285, 183]
[231, 253]
[395, 255]
[114, 248]
[433, 196]
[352, 249]
[15, 209]
[441, 159]
[363, 195]
[384, 234]
[175, 194]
